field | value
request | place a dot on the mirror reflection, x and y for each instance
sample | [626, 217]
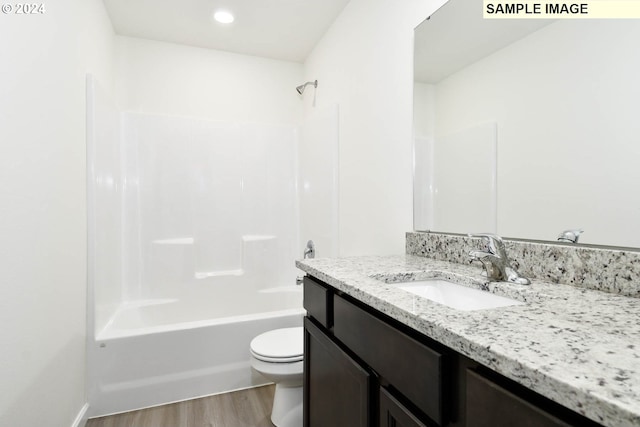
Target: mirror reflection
[527, 128]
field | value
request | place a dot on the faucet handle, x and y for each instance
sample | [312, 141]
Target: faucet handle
[495, 243]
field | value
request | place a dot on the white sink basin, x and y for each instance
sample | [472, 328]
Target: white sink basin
[456, 296]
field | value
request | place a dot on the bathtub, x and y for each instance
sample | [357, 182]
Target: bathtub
[153, 352]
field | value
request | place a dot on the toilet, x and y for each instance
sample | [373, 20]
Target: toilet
[277, 355]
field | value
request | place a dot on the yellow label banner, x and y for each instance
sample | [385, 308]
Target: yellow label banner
[588, 9]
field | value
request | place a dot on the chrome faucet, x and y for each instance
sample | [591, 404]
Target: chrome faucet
[495, 261]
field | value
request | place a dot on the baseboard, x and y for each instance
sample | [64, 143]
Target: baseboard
[82, 417]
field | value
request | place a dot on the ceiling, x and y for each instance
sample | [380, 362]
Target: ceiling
[457, 35]
[279, 29]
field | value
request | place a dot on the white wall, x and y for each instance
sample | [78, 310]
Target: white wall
[318, 182]
[364, 63]
[43, 207]
[158, 77]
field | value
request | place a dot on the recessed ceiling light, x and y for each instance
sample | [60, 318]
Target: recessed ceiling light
[223, 17]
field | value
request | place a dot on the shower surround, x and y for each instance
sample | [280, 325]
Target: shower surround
[207, 202]
[194, 229]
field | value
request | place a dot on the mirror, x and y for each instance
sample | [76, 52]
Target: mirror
[563, 100]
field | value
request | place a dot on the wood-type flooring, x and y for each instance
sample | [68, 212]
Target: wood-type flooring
[244, 408]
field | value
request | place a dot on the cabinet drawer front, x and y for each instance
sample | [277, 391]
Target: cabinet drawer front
[317, 301]
[490, 405]
[412, 368]
[394, 414]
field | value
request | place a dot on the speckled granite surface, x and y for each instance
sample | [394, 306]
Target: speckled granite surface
[608, 270]
[578, 347]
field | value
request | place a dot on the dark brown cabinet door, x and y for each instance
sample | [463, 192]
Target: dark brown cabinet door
[336, 388]
[490, 405]
[394, 414]
[415, 370]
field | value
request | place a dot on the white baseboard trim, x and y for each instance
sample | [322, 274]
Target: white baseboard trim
[82, 417]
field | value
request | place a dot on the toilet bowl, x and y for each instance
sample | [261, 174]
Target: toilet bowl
[277, 355]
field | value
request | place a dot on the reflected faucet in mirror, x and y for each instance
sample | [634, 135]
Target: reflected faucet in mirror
[570, 236]
[495, 261]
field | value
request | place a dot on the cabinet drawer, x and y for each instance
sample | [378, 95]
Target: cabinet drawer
[318, 302]
[412, 368]
[394, 414]
[490, 405]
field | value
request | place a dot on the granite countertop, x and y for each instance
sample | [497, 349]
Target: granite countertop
[578, 347]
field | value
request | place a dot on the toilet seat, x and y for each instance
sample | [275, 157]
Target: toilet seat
[279, 346]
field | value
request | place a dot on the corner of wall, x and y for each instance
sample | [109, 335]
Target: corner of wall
[364, 64]
[82, 417]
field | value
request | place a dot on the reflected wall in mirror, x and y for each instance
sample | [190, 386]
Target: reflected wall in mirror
[564, 97]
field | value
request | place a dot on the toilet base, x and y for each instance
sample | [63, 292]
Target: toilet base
[287, 406]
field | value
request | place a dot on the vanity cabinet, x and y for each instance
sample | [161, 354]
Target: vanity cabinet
[490, 405]
[414, 369]
[363, 368]
[318, 301]
[336, 384]
[361, 371]
[394, 414]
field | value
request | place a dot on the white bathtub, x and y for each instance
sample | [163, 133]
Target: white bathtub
[154, 352]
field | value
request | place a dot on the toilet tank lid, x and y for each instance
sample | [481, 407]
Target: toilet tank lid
[279, 343]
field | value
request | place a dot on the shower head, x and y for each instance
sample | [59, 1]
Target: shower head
[301, 88]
